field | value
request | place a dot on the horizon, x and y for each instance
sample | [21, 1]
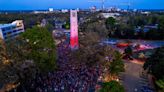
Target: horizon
[81, 4]
[80, 9]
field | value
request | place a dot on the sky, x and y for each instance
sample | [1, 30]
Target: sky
[73, 4]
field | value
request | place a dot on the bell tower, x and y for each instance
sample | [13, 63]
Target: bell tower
[74, 30]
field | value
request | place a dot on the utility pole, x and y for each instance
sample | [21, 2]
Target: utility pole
[103, 4]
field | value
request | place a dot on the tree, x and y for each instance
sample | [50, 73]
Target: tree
[152, 34]
[141, 34]
[161, 23]
[13, 67]
[17, 51]
[155, 66]
[128, 52]
[110, 23]
[153, 20]
[139, 20]
[5, 75]
[92, 39]
[91, 52]
[160, 84]
[2, 51]
[112, 86]
[161, 27]
[41, 48]
[33, 50]
[49, 27]
[66, 25]
[155, 63]
[86, 53]
[97, 26]
[117, 65]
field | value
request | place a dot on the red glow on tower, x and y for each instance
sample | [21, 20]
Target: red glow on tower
[74, 30]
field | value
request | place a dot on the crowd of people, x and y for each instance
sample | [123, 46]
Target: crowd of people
[69, 77]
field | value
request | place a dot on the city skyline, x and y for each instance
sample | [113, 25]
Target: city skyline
[82, 4]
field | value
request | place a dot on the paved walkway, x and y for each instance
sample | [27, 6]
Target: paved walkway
[131, 77]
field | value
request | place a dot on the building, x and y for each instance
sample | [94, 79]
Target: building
[51, 9]
[59, 24]
[107, 15]
[93, 9]
[145, 13]
[61, 35]
[11, 30]
[64, 10]
[43, 23]
[146, 28]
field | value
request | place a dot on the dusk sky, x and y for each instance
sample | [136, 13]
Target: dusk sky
[72, 4]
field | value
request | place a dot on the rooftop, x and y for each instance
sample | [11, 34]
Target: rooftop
[5, 25]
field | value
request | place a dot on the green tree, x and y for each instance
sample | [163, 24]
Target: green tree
[155, 66]
[112, 86]
[97, 26]
[160, 84]
[2, 50]
[155, 63]
[110, 23]
[24, 55]
[36, 45]
[152, 34]
[90, 52]
[4, 76]
[14, 68]
[117, 65]
[88, 48]
[139, 20]
[141, 34]
[66, 25]
[41, 48]
[21, 57]
[161, 27]
[128, 51]
[49, 27]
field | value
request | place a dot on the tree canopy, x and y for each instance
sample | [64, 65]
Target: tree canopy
[117, 65]
[41, 47]
[128, 50]
[155, 63]
[155, 66]
[31, 51]
[110, 22]
[66, 25]
[112, 86]
[160, 83]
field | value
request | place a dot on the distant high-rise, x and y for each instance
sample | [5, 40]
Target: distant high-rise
[102, 3]
[51, 9]
[93, 9]
[74, 30]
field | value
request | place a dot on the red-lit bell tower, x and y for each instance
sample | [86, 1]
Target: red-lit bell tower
[74, 30]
